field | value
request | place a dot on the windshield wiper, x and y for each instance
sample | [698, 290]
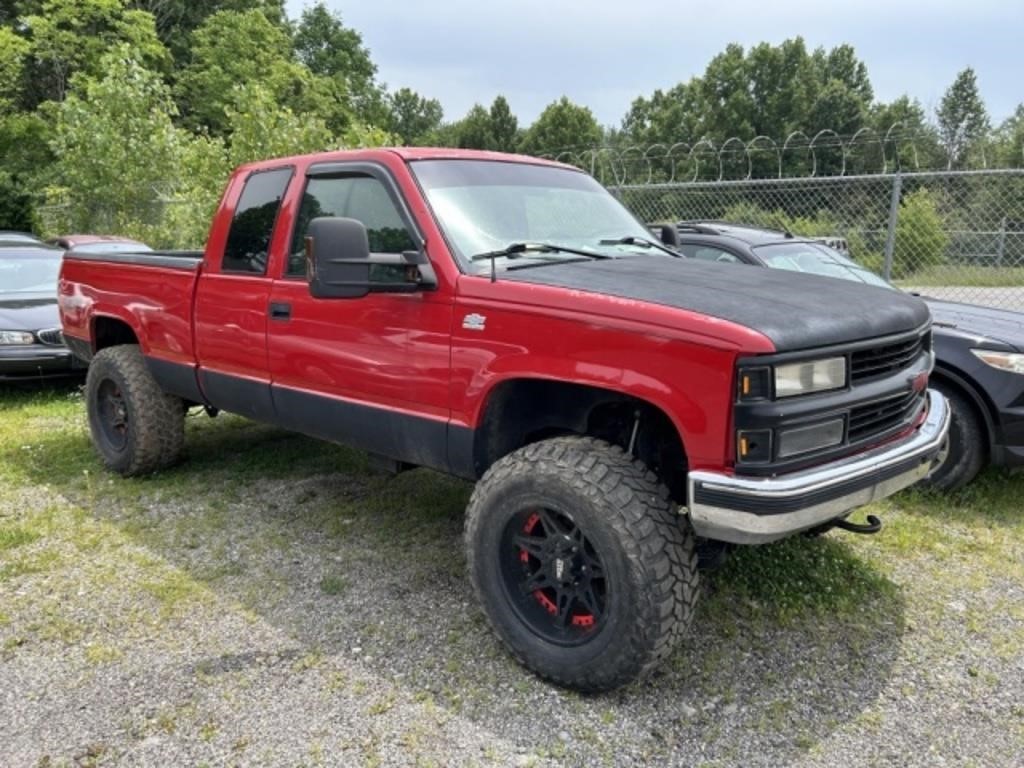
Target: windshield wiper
[517, 250]
[633, 240]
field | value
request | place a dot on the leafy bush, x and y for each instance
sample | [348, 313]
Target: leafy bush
[921, 239]
[15, 205]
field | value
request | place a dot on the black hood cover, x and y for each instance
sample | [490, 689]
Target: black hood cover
[796, 311]
[28, 312]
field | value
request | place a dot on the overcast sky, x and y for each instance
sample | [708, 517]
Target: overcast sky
[604, 54]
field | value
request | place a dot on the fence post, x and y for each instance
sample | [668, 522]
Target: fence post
[1001, 247]
[894, 212]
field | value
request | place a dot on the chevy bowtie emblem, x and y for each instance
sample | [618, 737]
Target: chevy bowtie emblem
[474, 322]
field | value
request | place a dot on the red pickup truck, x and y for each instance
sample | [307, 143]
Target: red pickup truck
[506, 320]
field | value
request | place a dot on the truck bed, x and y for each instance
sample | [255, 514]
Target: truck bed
[151, 292]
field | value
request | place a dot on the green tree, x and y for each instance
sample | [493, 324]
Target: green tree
[504, 126]
[262, 128]
[474, 130]
[562, 125]
[413, 117]
[16, 209]
[117, 147]
[331, 50]
[1009, 140]
[234, 48]
[768, 90]
[963, 120]
[911, 142]
[176, 19]
[71, 36]
[13, 52]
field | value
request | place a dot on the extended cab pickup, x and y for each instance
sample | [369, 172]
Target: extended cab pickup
[506, 320]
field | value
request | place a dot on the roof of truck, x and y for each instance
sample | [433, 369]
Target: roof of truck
[411, 154]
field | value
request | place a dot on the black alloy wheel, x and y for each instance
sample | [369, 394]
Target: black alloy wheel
[113, 415]
[554, 576]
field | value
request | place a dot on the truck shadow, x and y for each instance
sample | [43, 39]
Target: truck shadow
[791, 640]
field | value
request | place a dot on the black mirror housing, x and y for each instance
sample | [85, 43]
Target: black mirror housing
[339, 264]
[337, 258]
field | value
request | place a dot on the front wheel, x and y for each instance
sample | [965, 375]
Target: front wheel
[136, 427]
[968, 446]
[581, 562]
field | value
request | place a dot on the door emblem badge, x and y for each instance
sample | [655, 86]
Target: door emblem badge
[474, 322]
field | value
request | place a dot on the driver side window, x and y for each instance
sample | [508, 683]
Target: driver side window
[352, 196]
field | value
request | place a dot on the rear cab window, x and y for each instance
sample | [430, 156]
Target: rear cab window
[252, 228]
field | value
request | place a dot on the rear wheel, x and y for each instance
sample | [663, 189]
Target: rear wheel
[583, 566]
[136, 428]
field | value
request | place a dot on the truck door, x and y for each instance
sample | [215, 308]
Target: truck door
[373, 371]
[231, 303]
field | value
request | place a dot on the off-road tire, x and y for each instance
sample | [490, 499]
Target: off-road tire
[648, 551]
[968, 445]
[154, 433]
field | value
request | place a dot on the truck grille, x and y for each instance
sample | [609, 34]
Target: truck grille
[51, 336]
[890, 358]
[883, 415]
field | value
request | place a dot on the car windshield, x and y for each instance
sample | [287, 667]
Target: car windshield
[485, 207]
[111, 247]
[816, 259]
[29, 274]
[15, 238]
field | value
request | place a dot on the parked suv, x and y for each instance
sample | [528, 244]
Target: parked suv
[979, 351]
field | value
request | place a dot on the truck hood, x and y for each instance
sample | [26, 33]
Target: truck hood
[981, 322]
[28, 312]
[795, 311]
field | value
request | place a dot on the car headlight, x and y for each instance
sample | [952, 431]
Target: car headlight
[814, 376]
[1004, 361]
[12, 338]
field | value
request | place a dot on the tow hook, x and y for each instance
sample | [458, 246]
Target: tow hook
[873, 525]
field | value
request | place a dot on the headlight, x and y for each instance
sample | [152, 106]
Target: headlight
[815, 376]
[12, 338]
[1004, 361]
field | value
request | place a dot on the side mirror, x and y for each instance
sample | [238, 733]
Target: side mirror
[669, 235]
[337, 258]
[340, 265]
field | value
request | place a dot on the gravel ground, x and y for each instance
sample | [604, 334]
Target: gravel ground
[290, 621]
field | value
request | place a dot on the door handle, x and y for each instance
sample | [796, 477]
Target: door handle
[280, 311]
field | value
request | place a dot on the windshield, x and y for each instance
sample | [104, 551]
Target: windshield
[35, 274]
[111, 247]
[816, 259]
[485, 206]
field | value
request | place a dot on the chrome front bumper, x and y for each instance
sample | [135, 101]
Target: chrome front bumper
[755, 510]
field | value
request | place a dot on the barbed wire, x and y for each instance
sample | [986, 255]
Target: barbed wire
[825, 153]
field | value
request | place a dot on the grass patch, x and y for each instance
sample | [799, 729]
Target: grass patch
[12, 536]
[967, 275]
[333, 585]
[798, 578]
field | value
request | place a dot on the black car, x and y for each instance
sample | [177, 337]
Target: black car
[31, 344]
[979, 352]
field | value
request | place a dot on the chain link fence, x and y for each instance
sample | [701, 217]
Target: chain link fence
[956, 235]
